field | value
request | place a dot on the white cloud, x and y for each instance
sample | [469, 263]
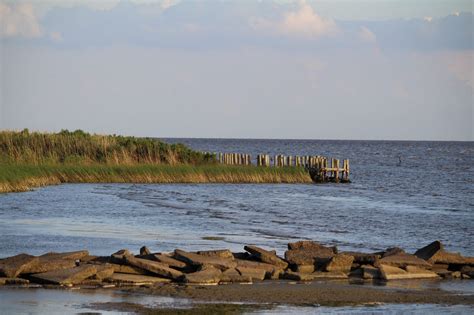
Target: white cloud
[428, 18]
[367, 35]
[304, 22]
[19, 20]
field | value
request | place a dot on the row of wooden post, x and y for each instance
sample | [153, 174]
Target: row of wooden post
[324, 168]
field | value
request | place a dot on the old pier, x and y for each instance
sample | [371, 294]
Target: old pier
[320, 168]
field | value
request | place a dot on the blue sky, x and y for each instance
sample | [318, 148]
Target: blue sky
[255, 69]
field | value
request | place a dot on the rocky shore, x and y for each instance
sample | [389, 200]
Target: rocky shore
[304, 261]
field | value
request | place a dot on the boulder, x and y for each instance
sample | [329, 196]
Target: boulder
[340, 263]
[144, 251]
[266, 256]
[206, 275]
[234, 276]
[170, 261]
[271, 271]
[394, 273]
[252, 273]
[402, 260]
[129, 279]
[154, 267]
[221, 253]
[200, 260]
[12, 267]
[66, 276]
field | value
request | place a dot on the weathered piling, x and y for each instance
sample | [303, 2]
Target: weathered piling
[320, 168]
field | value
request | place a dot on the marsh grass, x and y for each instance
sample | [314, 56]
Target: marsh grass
[29, 160]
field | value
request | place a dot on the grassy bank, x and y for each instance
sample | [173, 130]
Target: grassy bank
[29, 160]
[21, 177]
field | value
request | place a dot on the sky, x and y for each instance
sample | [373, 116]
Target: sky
[323, 69]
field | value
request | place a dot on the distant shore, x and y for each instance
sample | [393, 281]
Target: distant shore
[30, 160]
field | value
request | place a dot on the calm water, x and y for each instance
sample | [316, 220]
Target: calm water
[428, 197]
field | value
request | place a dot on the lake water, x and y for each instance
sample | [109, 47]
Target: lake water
[428, 196]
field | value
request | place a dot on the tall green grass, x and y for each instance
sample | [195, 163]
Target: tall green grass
[30, 160]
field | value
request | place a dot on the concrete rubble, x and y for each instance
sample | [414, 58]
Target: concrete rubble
[303, 261]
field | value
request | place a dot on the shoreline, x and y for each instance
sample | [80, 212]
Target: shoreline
[24, 177]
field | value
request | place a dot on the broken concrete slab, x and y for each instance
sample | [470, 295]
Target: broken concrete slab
[144, 251]
[13, 281]
[266, 256]
[310, 245]
[170, 261]
[340, 263]
[234, 276]
[403, 259]
[104, 272]
[128, 269]
[363, 258]
[129, 279]
[436, 254]
[388, 272]
[304, 268]
[12, 267]
[206, 275]
[154, 267]
[66, 276]
[200, 260]
[53, 261]
[221, 253]
[370, 272]
[290, 275]
[253, 273]
[271, 271]
[121, 254]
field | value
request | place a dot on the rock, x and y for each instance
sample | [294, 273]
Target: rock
[266, 256]
[66, 276]
[243, 255]
[119, 256]
[290, 275]
[402, 260]
[456, 274]
[307, 253]
[420, 272]
[434, 253]
[128, 269]
[304, 268]
[129, 279]
[370, 272]
[271, 271]
[221, 253]
[13, 281]
[394, 273]
[393, 251]
[104, 272]
[363, 258]
[340, 262]
[310, 245]
[206, 275]
[53, 261]
[144, 251]
[12, 267]
[443, 273]
[170, 261]
[234, 276]
[253, 273]
[154, 267]
[467, 271]
[200, 260]
[76, 255]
